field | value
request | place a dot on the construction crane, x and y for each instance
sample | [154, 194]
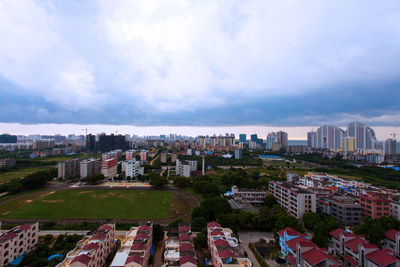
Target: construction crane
[394, 135]
[85, 131]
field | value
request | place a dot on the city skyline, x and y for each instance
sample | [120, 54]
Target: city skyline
[295, 133]
[207, 63]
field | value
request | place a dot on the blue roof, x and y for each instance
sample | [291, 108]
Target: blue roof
[55, 256]
[268, 156]
[18, 260]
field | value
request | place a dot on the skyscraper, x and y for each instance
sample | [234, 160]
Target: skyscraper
[112, 142]
[390, 146]
[282, 138]
[242, 138]
[364, 136]
[271, 139]
[90, 143]
[328, 137]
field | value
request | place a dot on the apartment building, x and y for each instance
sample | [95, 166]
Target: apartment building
[251, 196]
[133, 169]
[69, 168]
[224, 248]
[179, 248]
[356, 251]
[112, 154]
[135, 248]
[375, 205]
[17, 241]
[90, 167]
[164, 157]
[144, 155]
[295, 200]
[93, 249]
[185, 167]
[109, 168]
[395, 208]
[130, 154]
[298, 250]
[345, 209]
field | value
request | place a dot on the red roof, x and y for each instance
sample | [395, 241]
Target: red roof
[336, 233]
[292, 259]
[141, 236]
[184, 229]
[213, 224]
[391, 234]
[315, 256]
[353, 244]
[226, 253]
[99, 236]
[134, 258]
[221, 243]
[144, 228]
[85, 259]
[138, 246]
[9, 235]
[303, 242]
[25, 227]
[90, 246]
[106, 227]
[217, 232]
[289, 231]
[186, 247]
[381, 258]
[185, 237]
[186, 259]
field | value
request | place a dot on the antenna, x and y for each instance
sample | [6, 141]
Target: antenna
[85, 131]
[394, 135]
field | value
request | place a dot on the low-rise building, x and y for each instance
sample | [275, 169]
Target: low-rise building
[69, 168]
[224, 247]
[179, 248]
[135, 248]
[251, 196]
[395, 208]
[391, 241]
[93, 249]
[17, 241]
[295, 200]
[8, 162]
[375, 204]
[345, 209]
[109, 168]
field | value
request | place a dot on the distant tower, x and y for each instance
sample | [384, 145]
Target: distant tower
[203, 165]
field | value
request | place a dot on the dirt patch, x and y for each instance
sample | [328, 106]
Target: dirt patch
[47, 194]
[53, 201]
[83, 192]
[5, 213]
[182, 203]
[28, 201]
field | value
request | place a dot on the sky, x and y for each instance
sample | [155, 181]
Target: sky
[256, 63]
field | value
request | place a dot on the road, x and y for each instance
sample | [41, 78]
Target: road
[72, 232]
[247, 237]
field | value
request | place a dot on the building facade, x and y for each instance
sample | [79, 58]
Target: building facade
[109, 168]
[69, 168]
[90, 167]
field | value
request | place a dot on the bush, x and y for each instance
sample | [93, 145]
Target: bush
[259, 258]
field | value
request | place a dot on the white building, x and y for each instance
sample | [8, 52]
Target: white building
[185, 167]
[133, 169]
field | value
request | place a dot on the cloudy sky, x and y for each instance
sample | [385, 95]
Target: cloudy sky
[200, 63]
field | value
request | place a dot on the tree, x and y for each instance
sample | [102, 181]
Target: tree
[158, 181]
[198, 223]
[181, 182]
[200, 241]
[311, 219]
[158, 233]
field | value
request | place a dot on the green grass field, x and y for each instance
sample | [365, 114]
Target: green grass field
[18, 174]
[90, 204]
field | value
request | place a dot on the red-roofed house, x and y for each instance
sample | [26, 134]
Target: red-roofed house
[92, 250]
[391, 240]
[135, 247]
[213, 224]
[184, 229]
[186, 247]
[381, 259]
[185, 237]
[339, 237]
[285, 236]
[187, 261]
[316, 257]
[17, 241]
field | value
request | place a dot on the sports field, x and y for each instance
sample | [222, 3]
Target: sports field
[18, 174]
[90, 204]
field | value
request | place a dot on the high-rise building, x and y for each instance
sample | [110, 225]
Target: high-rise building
[90, 143]
[349, 144]
[238, 154]
[213, 141]
[112, 142]
[144, 155]
[6, 138]
[202, 141]
[364, 136]
[271, 139]
[185, 167]
[326, 137]
[164, 157]
[282, 138]
[90, 167]
[133, 169]
[390, 146]
[130, 154]
[242, 138]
